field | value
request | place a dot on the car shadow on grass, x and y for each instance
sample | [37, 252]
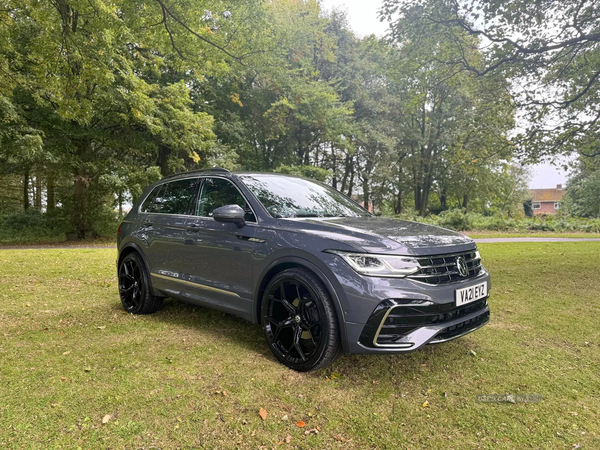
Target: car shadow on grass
[222, 327]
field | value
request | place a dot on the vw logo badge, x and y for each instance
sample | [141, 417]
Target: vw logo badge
[461, 265]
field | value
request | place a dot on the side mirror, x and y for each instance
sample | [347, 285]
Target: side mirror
[230, 213]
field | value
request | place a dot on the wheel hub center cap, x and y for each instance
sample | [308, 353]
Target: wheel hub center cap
[297, 319]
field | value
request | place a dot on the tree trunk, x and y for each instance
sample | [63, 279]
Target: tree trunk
[366, 193]
[50, 190]
[163, 159]
[38, 192]
[80, 184]
[444, 200]
[465, 201]
[120, 200]
[351, 183]
[424, 200]
[417, 197]
[26, 190]
[398, 205]
[334, 181]
[346, 173]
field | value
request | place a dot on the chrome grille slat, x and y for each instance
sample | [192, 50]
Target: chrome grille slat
[434, 274]
[441, 269]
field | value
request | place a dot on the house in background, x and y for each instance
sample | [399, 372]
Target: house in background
[546, 201]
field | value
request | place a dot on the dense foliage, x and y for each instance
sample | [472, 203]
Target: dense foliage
[98, 99]
[549, 50]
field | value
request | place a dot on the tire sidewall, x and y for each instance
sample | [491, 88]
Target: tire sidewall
[146, 285]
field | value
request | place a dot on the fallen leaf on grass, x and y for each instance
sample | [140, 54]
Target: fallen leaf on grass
[262, 412]
[426, 404]
[67, 353]
[102, 327]
[339, 438]
[288, 439]
[106, 418]
[300, 424]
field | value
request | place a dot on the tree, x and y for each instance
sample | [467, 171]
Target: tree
[550, 51]
[450, 122]
[98, 81]
[583, 189]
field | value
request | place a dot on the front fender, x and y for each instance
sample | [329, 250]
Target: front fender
[299, 258]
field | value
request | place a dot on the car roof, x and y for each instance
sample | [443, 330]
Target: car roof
[224, 172]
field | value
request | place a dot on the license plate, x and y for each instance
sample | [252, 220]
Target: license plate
[470, 294]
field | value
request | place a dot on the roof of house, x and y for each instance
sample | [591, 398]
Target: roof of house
[548, 195]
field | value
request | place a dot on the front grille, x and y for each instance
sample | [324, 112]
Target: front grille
[403, 320]
[442, 269]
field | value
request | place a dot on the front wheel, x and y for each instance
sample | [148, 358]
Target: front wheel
[299, 320]
[134, 286]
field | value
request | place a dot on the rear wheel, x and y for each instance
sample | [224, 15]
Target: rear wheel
[299, 320]
[134, 286]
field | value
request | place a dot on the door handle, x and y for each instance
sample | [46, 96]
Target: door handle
[250, 239]
[194, 228]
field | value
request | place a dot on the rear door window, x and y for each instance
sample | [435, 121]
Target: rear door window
[148, 205]
[176, 197]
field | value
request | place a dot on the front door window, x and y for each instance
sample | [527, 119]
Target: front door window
[217, 192]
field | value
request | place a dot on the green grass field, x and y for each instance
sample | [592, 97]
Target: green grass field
[187, 377]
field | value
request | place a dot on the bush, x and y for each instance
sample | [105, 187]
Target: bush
[34, 226]
[455, 219]
[458, 220]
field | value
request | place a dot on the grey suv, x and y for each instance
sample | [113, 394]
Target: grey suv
[317, 271]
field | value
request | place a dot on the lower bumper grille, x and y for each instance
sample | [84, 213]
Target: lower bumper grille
[462, 328]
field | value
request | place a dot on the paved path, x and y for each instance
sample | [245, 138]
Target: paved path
[534, 239]
[479, 241]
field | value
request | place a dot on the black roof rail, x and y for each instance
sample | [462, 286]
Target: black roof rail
[212, 169]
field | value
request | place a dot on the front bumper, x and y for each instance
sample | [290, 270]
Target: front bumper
[400, 327]
[397, 315]
[408, 325]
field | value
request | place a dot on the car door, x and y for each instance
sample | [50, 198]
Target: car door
[164, 227]
[219, 255]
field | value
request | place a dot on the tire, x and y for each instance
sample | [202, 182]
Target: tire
[134, 286]
[303, 332]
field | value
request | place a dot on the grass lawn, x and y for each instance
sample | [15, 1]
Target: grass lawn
[187, 377]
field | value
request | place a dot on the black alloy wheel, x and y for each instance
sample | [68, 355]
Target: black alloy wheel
[299, 320]
[134, 287]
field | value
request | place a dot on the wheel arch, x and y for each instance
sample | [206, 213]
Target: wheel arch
[132, 247]
[289, 262]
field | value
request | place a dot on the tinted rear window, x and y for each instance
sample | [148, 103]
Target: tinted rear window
[172, 198]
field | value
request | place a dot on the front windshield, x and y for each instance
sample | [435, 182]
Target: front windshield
[286, 197]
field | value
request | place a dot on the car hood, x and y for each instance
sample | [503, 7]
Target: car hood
[383, 235]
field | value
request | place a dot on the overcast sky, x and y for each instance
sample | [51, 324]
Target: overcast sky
[362, 16]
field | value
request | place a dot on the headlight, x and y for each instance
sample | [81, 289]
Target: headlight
[380, 265]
